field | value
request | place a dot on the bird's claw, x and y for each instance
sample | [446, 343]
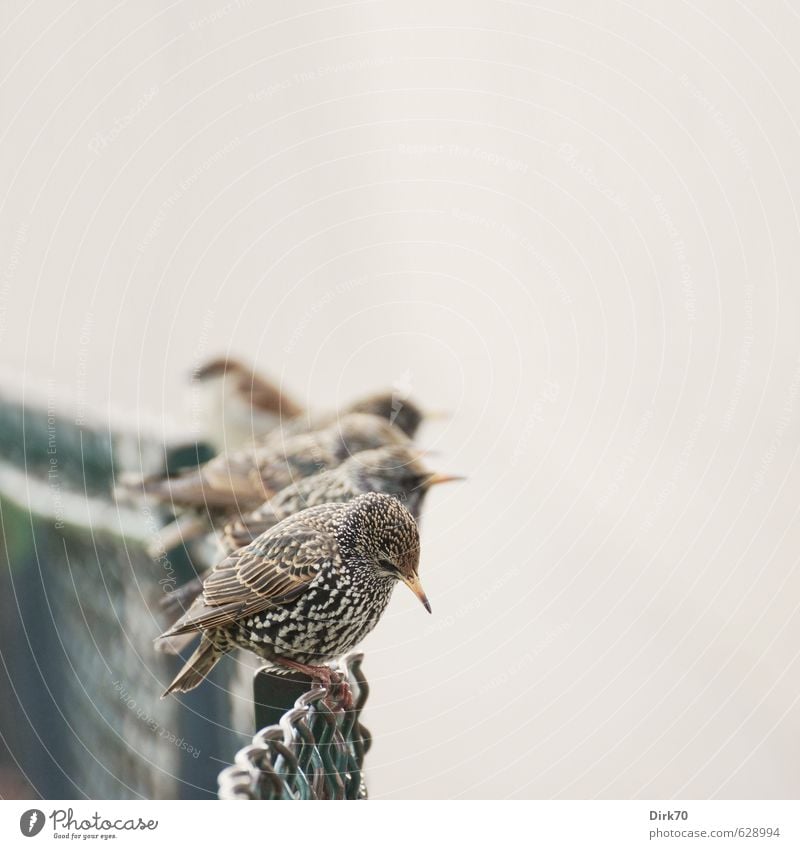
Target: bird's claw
[340, 695]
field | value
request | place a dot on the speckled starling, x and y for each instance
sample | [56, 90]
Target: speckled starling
[402, 413]
[237, 482]
[305, 592]
[395, 470]
[241, 480]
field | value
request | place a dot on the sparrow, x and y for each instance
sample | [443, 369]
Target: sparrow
[305, 592]
[237, 404]
[394, 470]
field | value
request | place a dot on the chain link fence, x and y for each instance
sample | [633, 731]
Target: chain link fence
[315, 751]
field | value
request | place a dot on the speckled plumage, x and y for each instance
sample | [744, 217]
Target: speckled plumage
[308, 590]
[395, 470]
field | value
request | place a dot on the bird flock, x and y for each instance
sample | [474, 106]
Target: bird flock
[313, 519]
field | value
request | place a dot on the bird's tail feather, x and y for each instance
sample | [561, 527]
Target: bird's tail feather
[197, 667]
[175, 644]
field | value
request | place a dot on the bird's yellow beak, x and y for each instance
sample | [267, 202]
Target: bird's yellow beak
[437, 478]
[416, 587]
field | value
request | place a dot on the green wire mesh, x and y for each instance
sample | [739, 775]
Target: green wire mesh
[81, 712]
[316, 751]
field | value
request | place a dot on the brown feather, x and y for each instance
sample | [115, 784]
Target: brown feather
[266, 396]
[202, 661]
[271, 570]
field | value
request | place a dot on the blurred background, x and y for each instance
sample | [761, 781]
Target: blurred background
[573, 226]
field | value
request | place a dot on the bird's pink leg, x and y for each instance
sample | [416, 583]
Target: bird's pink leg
[329, 679]
[317, 673]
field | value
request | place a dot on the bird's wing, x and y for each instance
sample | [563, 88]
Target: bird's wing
[223, 481]
[264, 395]
[274, 569]
[244, 529]
[298, 458]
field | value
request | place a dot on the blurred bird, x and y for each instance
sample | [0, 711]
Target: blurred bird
[394, 470]
[240, 481]
[402, 413]
[397, 410]
[238, 404]
[305, 592]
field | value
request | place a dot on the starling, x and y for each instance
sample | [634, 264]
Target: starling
[402, 413]
[395, 470]
[251, 475]
[240, 481]
[305, 592]
[239, 404]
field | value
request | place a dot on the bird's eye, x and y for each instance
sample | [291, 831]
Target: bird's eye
[387, 565]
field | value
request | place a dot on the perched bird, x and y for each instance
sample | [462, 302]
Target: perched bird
[394, 470]
[239, 481]
[399, 411]
[403, 414]
[238, 404]
[305, 592]
[254, 474]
